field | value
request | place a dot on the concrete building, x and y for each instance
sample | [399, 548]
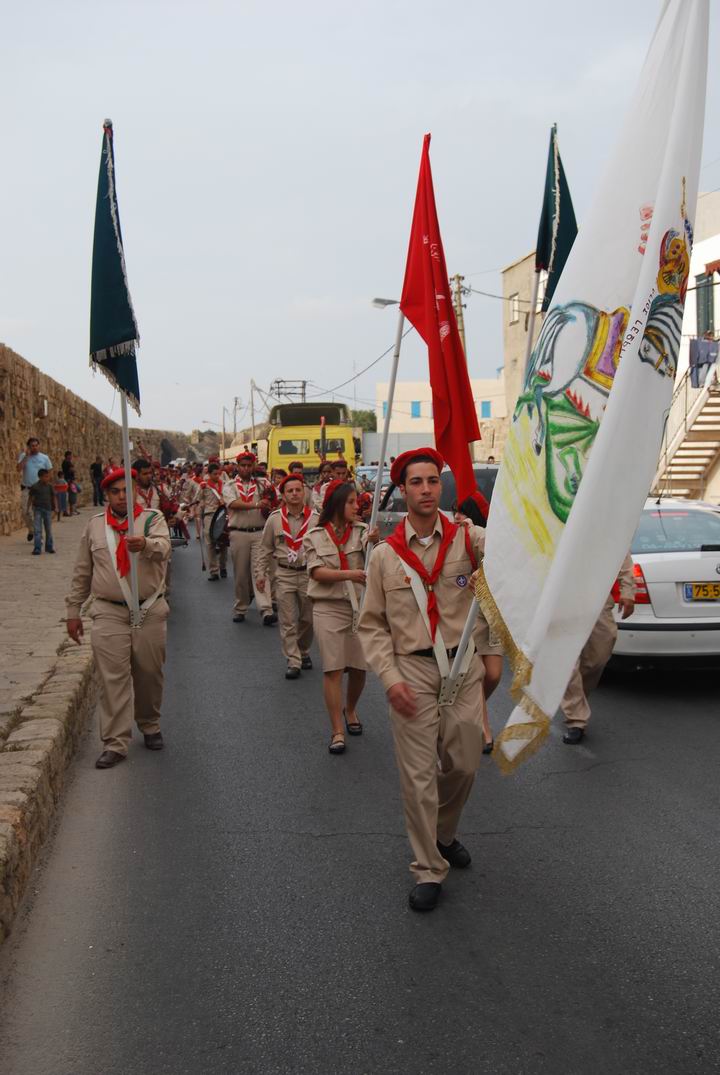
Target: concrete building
[412, 414]
[690, 457]
[517, 284]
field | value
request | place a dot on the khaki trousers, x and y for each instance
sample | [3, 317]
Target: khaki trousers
[438, 752]
[587, 672]
[244, 551]
[215, 560]
[295, 613]
[130, 666]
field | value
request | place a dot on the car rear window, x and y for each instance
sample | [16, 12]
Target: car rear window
[676, 530]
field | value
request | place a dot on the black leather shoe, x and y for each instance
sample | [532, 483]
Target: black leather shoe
[306, 664]
[425, 897]
[573, 736]
[223, 573]
[213, 578]
[29, 537]
[240, 618]
[456, 854]
[154, 741]
[108, 758]
[292, 673]
[270, 620]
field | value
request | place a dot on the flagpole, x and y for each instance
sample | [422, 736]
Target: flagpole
[135, 607]
[464, 642]
[386, 430]
[531, 325]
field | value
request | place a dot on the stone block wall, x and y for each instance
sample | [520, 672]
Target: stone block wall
[33, 404]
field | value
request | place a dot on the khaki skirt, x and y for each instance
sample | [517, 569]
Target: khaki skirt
[485, 641]
[339, 647]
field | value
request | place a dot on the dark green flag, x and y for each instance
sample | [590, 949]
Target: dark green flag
[558, 229]
[113, 329]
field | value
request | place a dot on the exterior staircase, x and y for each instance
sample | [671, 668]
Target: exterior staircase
[691, 442]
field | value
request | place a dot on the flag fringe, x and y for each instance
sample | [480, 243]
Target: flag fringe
[98, 367]
[536, 730]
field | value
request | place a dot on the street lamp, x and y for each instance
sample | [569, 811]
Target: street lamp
[380, 304]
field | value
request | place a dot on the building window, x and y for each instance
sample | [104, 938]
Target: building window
[542, 285]
[705, 304]
[415, 408]
[514, 304]
[384, 408]
[486, 408]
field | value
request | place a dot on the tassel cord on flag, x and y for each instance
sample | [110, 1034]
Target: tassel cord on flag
[134, 589]
[386, 431]
[536, 730]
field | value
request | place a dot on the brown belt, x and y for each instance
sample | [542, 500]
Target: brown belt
[430, 652]
[291, 567]
[246, 529]
[124, 604]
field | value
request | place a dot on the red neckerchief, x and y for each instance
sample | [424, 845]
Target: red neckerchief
[398, 542]
[217, 488]
[340, 543]
[246, 497]
[122, 556]
[145, 494]
[294, 544]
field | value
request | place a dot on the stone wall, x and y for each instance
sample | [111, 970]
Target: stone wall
[33, 404]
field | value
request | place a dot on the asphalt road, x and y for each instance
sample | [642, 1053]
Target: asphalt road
[238, 902]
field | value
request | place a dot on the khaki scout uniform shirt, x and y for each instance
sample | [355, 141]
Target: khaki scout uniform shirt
[210, 499]
[626, 581]
[390, 622]
[322, 552]
[245, 519]
[147, 499]
[274, 546]
[94, 572]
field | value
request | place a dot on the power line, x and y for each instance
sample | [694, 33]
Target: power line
[362, 371]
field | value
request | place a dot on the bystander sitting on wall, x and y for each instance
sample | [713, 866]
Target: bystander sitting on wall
[42, 499]
[60, 487]
[29, 464]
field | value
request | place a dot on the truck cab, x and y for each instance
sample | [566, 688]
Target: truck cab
[309, 432]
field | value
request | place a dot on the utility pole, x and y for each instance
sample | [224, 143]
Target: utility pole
[457, 294]
[235, 410]
[252, 408]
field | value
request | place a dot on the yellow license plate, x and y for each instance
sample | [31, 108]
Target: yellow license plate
[702, 591]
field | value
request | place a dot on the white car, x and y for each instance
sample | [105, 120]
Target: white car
[676, 553]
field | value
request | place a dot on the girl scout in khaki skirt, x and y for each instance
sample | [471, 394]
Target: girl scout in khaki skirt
[335, 551]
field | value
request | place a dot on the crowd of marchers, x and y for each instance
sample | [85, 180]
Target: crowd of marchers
[304, 554]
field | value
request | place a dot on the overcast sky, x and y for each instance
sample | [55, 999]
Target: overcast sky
[267, 158]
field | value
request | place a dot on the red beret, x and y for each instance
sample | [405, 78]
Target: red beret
[115, 475]
[403, 460]
[330, 489]
[245, 457]
[290, 478]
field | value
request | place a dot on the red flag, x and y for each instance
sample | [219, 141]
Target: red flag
[426, 302]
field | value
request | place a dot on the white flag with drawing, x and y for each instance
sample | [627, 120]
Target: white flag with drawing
[586, 431]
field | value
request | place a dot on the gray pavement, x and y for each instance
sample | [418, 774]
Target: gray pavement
[238, 902]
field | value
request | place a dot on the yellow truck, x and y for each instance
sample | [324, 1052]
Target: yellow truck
[308, 432]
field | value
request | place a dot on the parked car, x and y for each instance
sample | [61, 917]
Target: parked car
[370, 473]
[676, 553]
[393, 507]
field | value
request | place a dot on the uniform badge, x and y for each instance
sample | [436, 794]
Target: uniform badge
[407, 580]
[461, 581]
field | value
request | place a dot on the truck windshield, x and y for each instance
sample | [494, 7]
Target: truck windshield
[293, 447]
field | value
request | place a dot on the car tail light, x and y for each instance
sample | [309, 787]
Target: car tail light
[642, 597]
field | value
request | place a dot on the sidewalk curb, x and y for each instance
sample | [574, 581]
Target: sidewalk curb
[38, 741]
